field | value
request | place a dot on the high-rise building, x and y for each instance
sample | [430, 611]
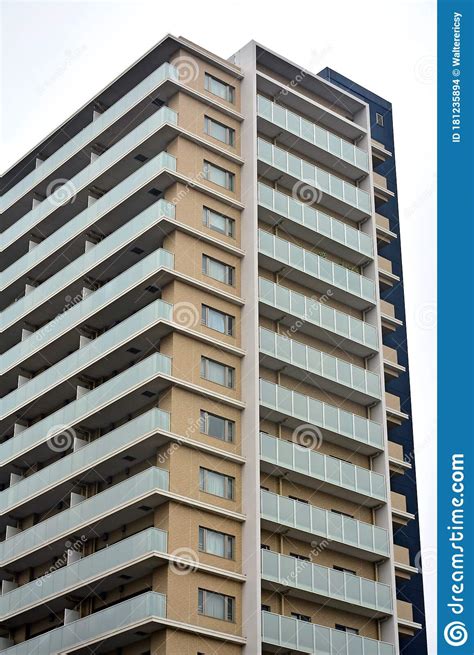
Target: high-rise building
[206, 445]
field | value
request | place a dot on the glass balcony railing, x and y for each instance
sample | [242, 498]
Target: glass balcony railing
[311, 463]
[87, 175]
[322, 415]
[139, 92]
[315, 266]
[121, 617]
[324, 524]
[314, 220]
[80, 311]
[319, 363]
[87, 405]
[84, 571]
[305, 129]
[80, 267]
[87, 457]
[317, 177]
[96, 349]
[90, 216]
[292, 634]
[329, 583]
[84, 514]
[318, 314]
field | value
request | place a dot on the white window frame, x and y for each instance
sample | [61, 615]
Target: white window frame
[229, 320]
[229, 182]
[229, 372]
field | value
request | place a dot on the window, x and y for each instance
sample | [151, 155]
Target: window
[218, 606]
[264, 547]
[303, 558]
[218, 270]
[219, 88]
[266, 608]
[301, 617]
[216, 484]
[300, 500]
[217, 426]
[217, 372]
[218, 175]
[379, 119]
[218, 222]
[216, 543]
[219, 131]
[343, 570]
[345, 628]
[217, 320]
[336, 511]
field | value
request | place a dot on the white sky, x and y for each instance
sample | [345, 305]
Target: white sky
[56, 55]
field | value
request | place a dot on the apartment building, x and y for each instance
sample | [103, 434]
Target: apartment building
[195, 424]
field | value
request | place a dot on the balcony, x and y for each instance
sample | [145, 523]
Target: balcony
[320, 584]
[398, 464]
[384, 234]
[318, 368]
[97, 360]
[113, 116]
[386, 277]
[303, 102]
[381, 192]
[403, 568]
[107, 214]
[140, 233]
[137, 439]
[135, 556]
[106, 305]
[379, 152]
[317, 471]
[296, 311]
[315, 272]
[105, 172]
[299, 637]
[400, 515]
[312, 141]
[313, 524]
[99, 407]
[395, 416]
[309, 224]
[406, 624]
[127, 622]
[121, 503]
[329, 190]
[351, 431]
[389, 322]
[392, 368]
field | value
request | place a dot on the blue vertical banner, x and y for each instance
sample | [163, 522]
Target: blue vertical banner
[455, 327]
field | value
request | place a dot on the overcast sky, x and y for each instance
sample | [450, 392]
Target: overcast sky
[57, 55]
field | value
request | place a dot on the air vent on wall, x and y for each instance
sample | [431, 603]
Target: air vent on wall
[141, 158]
[155, 192]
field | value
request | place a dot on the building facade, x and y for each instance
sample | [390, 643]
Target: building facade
[204, 405]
